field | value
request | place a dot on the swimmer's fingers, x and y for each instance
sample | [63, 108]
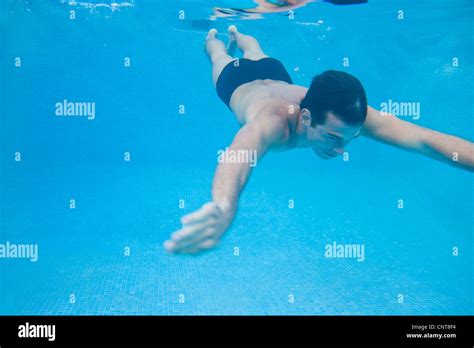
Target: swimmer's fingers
[190, 236]
[205, 244]
[197, 238]
[210, 209]
[202, 230]
[188, 232]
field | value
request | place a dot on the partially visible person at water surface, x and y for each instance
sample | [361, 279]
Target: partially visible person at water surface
[274, 6]
[277, 115]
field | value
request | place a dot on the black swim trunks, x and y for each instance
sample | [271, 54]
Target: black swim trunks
[246, 70]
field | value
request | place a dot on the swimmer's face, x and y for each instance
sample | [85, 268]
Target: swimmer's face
[330, 139]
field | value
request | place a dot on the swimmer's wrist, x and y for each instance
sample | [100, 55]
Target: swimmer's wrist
[226, 207]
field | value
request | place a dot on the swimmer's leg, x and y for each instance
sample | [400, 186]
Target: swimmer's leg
[215, 50]
[246, 43]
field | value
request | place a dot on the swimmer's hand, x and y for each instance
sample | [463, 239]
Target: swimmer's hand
[201, 230]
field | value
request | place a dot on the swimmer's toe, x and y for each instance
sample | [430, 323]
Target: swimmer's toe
[212, 33]
[232, 30]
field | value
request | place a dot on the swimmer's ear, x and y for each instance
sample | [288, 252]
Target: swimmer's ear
[306, 117]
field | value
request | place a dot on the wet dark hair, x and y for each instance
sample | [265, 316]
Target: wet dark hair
[338, 93]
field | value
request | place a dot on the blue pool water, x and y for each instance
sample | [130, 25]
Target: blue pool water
[83, 264]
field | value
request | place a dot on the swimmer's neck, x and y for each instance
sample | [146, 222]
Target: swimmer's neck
[300, 133]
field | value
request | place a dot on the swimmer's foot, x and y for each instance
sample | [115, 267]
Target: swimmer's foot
[210, 35]
[232, 45]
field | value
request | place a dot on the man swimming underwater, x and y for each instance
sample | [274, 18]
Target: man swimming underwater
[277, 115]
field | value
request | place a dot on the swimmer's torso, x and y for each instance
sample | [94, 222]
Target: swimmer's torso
[267, 96]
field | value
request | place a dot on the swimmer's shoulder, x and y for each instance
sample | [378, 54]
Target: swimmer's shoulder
[277, 122]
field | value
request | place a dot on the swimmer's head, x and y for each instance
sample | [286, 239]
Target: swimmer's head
[333, 111]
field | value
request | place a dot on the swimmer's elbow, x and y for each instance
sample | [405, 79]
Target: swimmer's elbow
[448, 148]
[423, 142]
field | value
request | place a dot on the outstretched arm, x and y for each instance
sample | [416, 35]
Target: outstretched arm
[203, 228]
[391, 130]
